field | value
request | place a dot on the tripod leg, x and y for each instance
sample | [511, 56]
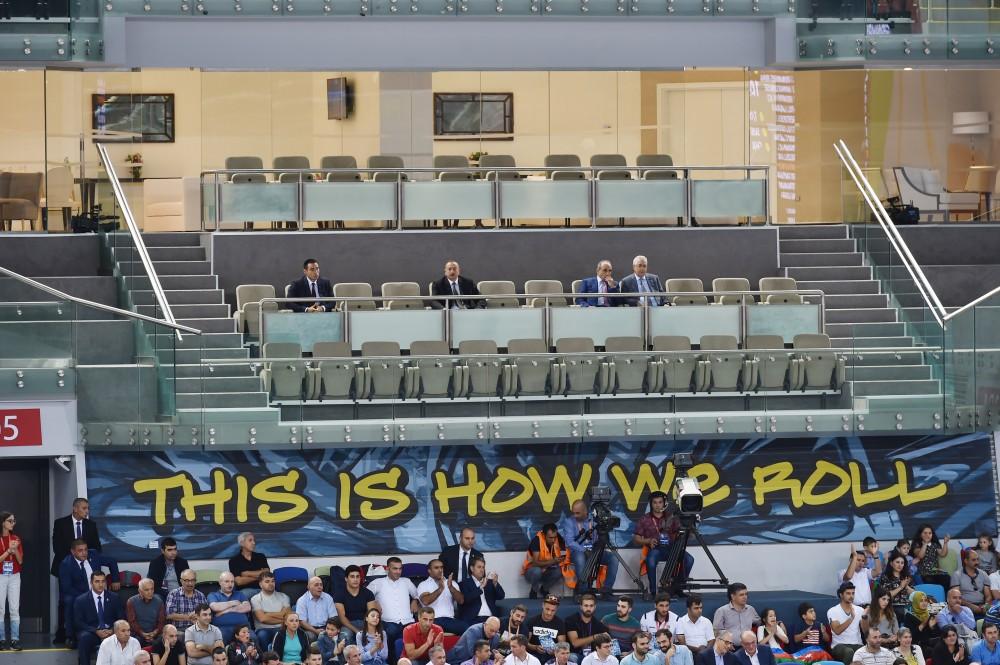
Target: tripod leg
[677, 550]
[715, 564]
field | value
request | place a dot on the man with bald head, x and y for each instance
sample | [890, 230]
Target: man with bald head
[230, 608]
[641, 282]
[169, 649]
[750, 654]
[465, 648]
[600, 285]
[146, 613]
[456, 558]
[577, 529]
[314, 607]
[120, 647]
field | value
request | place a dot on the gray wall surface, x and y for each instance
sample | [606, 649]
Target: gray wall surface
[944, 245]
[958, 285]
[377, 257]
[51, 255]
[97, 289]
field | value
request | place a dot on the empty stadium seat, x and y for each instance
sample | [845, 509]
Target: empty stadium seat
[438, 376]
[286, 378]
[533, 375]
[616, 165]
[675, 371]
[542, 286]
[386, 162]
[767, 286]
[354, 290]
[499, 162]
[773, 367]
[732, 284]
[821, 369]
[484, 375]
[584, 375]
[499, 288]
[722, 366]
[681, 285]
[568, 169]
[633, 373]
[248, 306]
[290, 163]
[386, 376]
[207, 580]
[656, 160]
[392, 290]
[245, 162]
[338, 377]
[291, 581]
[340, 162]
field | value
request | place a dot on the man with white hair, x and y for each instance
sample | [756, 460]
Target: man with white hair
[314, 607]
[248, 564]
[119, 648]
[230, 608]
[640, 282]
[146, 613]
[438, 656]
[142, 658]
[352, 656]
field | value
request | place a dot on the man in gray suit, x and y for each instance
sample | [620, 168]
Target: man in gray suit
[641, 281]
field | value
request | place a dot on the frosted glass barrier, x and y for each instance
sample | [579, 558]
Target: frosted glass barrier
[365, 201]
[448, 200]
[728, 198]
[694, 321]
[499, 325]
[403, 326]
[303, 328]
[535, 199]
[643, 199]
[785, 320]
[598, 323]
[259, 202]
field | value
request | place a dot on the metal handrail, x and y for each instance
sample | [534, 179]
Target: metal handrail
[503, 169]
[89, 303]
[895, 239]
[140, 245]
[985, 296]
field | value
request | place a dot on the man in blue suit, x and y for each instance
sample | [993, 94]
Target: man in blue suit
[75, 573]
[310, 285]
[641, 281]
[601, 284]
[94, 613]
[478, 587]
[750, 654]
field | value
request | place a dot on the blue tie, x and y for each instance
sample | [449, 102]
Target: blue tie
[79, 530]
[100, 610]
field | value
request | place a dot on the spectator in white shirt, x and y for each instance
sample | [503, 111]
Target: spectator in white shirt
[396, 597]
[693, 630]
[659, 617]
[519, 652]
[441, 594]
[601, 655]
[858, 574]
[119, 648]
[845, 625]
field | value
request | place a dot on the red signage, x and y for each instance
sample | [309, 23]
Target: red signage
[20, 427]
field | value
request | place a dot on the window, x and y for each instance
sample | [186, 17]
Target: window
[133, 118]
[474, 114]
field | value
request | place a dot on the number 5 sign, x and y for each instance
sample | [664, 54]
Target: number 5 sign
[20, 427]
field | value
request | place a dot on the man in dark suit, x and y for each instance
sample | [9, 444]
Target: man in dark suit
[75, 573]
[75, 526]
[165, 570]
[456, 558]
[453, 284]
[641, 281]
[720, 653]
[310, 285]
[93, 615]
[599, 285]
[750, 654]
[478, 587]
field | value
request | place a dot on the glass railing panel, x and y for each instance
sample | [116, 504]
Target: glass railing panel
[960, 371]
[729, 198]
[257, 202]
[648, 199]
[448, 200]
[351, 201]
[694, 321]
[987, 377]
[784, 320]
[541, 199]
[37, 332]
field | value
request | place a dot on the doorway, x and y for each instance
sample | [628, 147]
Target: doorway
[703, 124]
[25, 484]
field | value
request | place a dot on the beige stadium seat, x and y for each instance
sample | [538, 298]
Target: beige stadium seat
[439, 375]
[285, 378]
[337, 375]
[397, 290]
[732, 284]
[633, 373]
[584, 375]
[486, 376]
[656, 160]
[387, 372]
[675, 370]
[499, 288]
[531, 374]
[768, 286]
[821, 369]
[681, 285]
[723, 367]
[340, 162]
[543, 286]
[248, 307]
[386, 162]
[773, 367]
[354, 290]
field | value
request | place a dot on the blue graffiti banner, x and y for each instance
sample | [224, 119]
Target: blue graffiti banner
[416, 499]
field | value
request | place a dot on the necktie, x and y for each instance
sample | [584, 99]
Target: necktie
[79, 529]
[83, 568]
[465, 566]
[603, 288]
[312, 285]
[100, 610]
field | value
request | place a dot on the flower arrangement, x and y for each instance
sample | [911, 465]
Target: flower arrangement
[475, 155]
[135, 160]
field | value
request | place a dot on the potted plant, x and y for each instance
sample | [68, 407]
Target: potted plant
[134, 160]
[474, 157]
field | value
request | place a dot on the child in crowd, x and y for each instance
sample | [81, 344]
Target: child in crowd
[331, 642]
[807, 631]
[903, 547]
[987, 554]
[771, 632]
[874, 560]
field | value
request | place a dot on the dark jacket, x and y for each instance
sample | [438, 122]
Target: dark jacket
[630, 284]
[300, 289]
[451, 557]
[278, 644]
[764, 656]
[63, 535]
[466, 287]
[472, 593]
[85, 619]
[590, 285]
[707, 657]
[158, 570]
[73, 581]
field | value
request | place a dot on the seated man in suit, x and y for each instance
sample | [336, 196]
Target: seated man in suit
[74, 577]
[720, 653]
[750, 654]
[93, 615]
[456, 558]
[641, 281]
[310, 285]
[599, 285]
[453, 284]
[480, 593]
[66, 529]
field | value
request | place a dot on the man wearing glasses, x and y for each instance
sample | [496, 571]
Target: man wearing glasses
[182, 601]
[720, 653]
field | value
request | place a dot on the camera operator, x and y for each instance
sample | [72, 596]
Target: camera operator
[655, 531]
[580, 531]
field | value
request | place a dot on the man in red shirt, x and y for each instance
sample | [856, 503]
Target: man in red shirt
[419, 637]
[656, 531]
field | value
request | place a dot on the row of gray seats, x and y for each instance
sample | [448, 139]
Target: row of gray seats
[774, 290]
[528, 368]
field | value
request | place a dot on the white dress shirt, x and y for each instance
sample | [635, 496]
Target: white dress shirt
[112, 653]
[444, 605]
[394, 599]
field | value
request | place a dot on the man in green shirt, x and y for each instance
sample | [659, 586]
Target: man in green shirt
[621, 626]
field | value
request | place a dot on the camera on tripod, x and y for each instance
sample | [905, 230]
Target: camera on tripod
[600, 510]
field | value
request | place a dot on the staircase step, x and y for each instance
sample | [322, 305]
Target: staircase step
[871, 358]
[218, 384]
[198, 417]
[215, 311]
[129, 253]
[171, 239]
[829, 259]
[908, 387]
[812, 231]
[208, 341]
[830, 273]
[222, 400]
[852, 301]
[205, 325]
[173, 282]
[869, 342]
[864, 329]
[834, 287]
[861, 315]
[185, 297]
[816, 245]
[198, 370]
[164, 268]
[196, 356]
[889, 373]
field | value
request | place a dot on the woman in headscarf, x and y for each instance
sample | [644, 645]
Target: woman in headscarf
[921, 622]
